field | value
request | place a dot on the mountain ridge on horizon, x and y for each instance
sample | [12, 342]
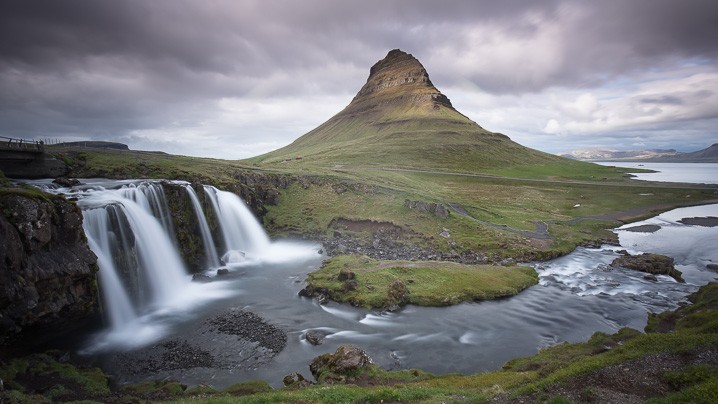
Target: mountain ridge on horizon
[709, 154]
[400, 119]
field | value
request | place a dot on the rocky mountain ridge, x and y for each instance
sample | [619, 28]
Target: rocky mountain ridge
[709, 154]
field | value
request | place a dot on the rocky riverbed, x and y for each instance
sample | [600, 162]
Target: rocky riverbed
[233, 340]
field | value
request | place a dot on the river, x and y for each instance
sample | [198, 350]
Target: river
[695, 173]
[577, 295]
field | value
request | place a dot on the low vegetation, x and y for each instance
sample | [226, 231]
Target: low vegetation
[369, 283]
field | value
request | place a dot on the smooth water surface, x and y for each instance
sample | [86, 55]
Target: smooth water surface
[695, 173]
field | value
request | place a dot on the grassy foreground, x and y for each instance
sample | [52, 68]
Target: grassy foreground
[369, 283]
[675, 361]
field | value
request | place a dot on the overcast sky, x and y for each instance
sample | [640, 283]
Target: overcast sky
[233, 79]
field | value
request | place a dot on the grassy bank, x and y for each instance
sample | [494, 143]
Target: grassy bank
[575, 202]
[369, 283]
[675, 361]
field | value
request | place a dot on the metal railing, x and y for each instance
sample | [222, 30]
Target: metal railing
[9, 143]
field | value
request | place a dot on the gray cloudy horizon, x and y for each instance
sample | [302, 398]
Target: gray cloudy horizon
[233, 79]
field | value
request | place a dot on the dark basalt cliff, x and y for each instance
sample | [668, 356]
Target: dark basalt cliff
[47, 271]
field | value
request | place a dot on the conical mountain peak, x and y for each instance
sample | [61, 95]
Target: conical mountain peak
[399, 119]
[397, 75]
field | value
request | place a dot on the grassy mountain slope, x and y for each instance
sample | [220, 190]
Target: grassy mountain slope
[399, 119]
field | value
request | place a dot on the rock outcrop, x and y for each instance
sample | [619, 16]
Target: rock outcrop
[655, 264]
[47, 271]
[339, 366]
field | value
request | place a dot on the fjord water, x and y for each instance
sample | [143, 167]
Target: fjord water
[696, 173]
[577, 295]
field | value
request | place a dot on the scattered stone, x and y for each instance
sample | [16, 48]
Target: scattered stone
[396, 296]
[295, 380]
[650, 277]
[350, 285]
[321, 251]
[250, 326]
[708, 221]
[437, 209]
[314, 337]
[201, 278]
[622, 252]
[655, 264]
[646, 228]
[222, 271]
[66, 182]
[712, 267]
[445, 233]
[345, 275]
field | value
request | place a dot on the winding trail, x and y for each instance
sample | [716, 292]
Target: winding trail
[540, 233]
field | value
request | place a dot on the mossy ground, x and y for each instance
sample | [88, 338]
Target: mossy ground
[577, 201]
[427, 283]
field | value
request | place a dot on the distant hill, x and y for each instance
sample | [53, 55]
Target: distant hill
[597, 154]
[709, 154]
[399, 119]
[95, 144]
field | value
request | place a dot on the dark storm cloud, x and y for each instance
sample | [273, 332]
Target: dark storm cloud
[108, 68]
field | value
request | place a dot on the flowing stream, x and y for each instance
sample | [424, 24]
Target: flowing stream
[149, 297]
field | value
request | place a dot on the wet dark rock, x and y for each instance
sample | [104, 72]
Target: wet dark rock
[201, 278]
[645, 228]
[314, 337]
[334, 368]
[622, 252]
[655, 264]
[708, 221]
[66, 182]
[650, 277]
[712, 267]
[296, 380]
[48, 277]
[222, 271]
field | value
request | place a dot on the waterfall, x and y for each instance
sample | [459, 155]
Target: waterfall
[151, 197]
[242, 233]
[142, 277]
[116, 301]
[210, 251]
[128, 238]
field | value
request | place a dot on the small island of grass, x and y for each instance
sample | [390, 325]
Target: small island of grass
[365, 282]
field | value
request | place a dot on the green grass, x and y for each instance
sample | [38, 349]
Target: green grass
[547, 193]
[428, 283]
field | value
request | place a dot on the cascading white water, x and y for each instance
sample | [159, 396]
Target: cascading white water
[242, 233]
[159, 269]
[210, 251]
[151, 197]
[116, 301]
[143, 280]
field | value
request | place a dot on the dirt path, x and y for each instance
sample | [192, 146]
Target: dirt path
[540, 233]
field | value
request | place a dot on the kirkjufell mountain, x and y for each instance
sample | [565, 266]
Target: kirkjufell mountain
[399, 119]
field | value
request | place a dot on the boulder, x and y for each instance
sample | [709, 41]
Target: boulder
[655, 264]
[712, 267]
[295, 380]
[332, 368]
[314, 337]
